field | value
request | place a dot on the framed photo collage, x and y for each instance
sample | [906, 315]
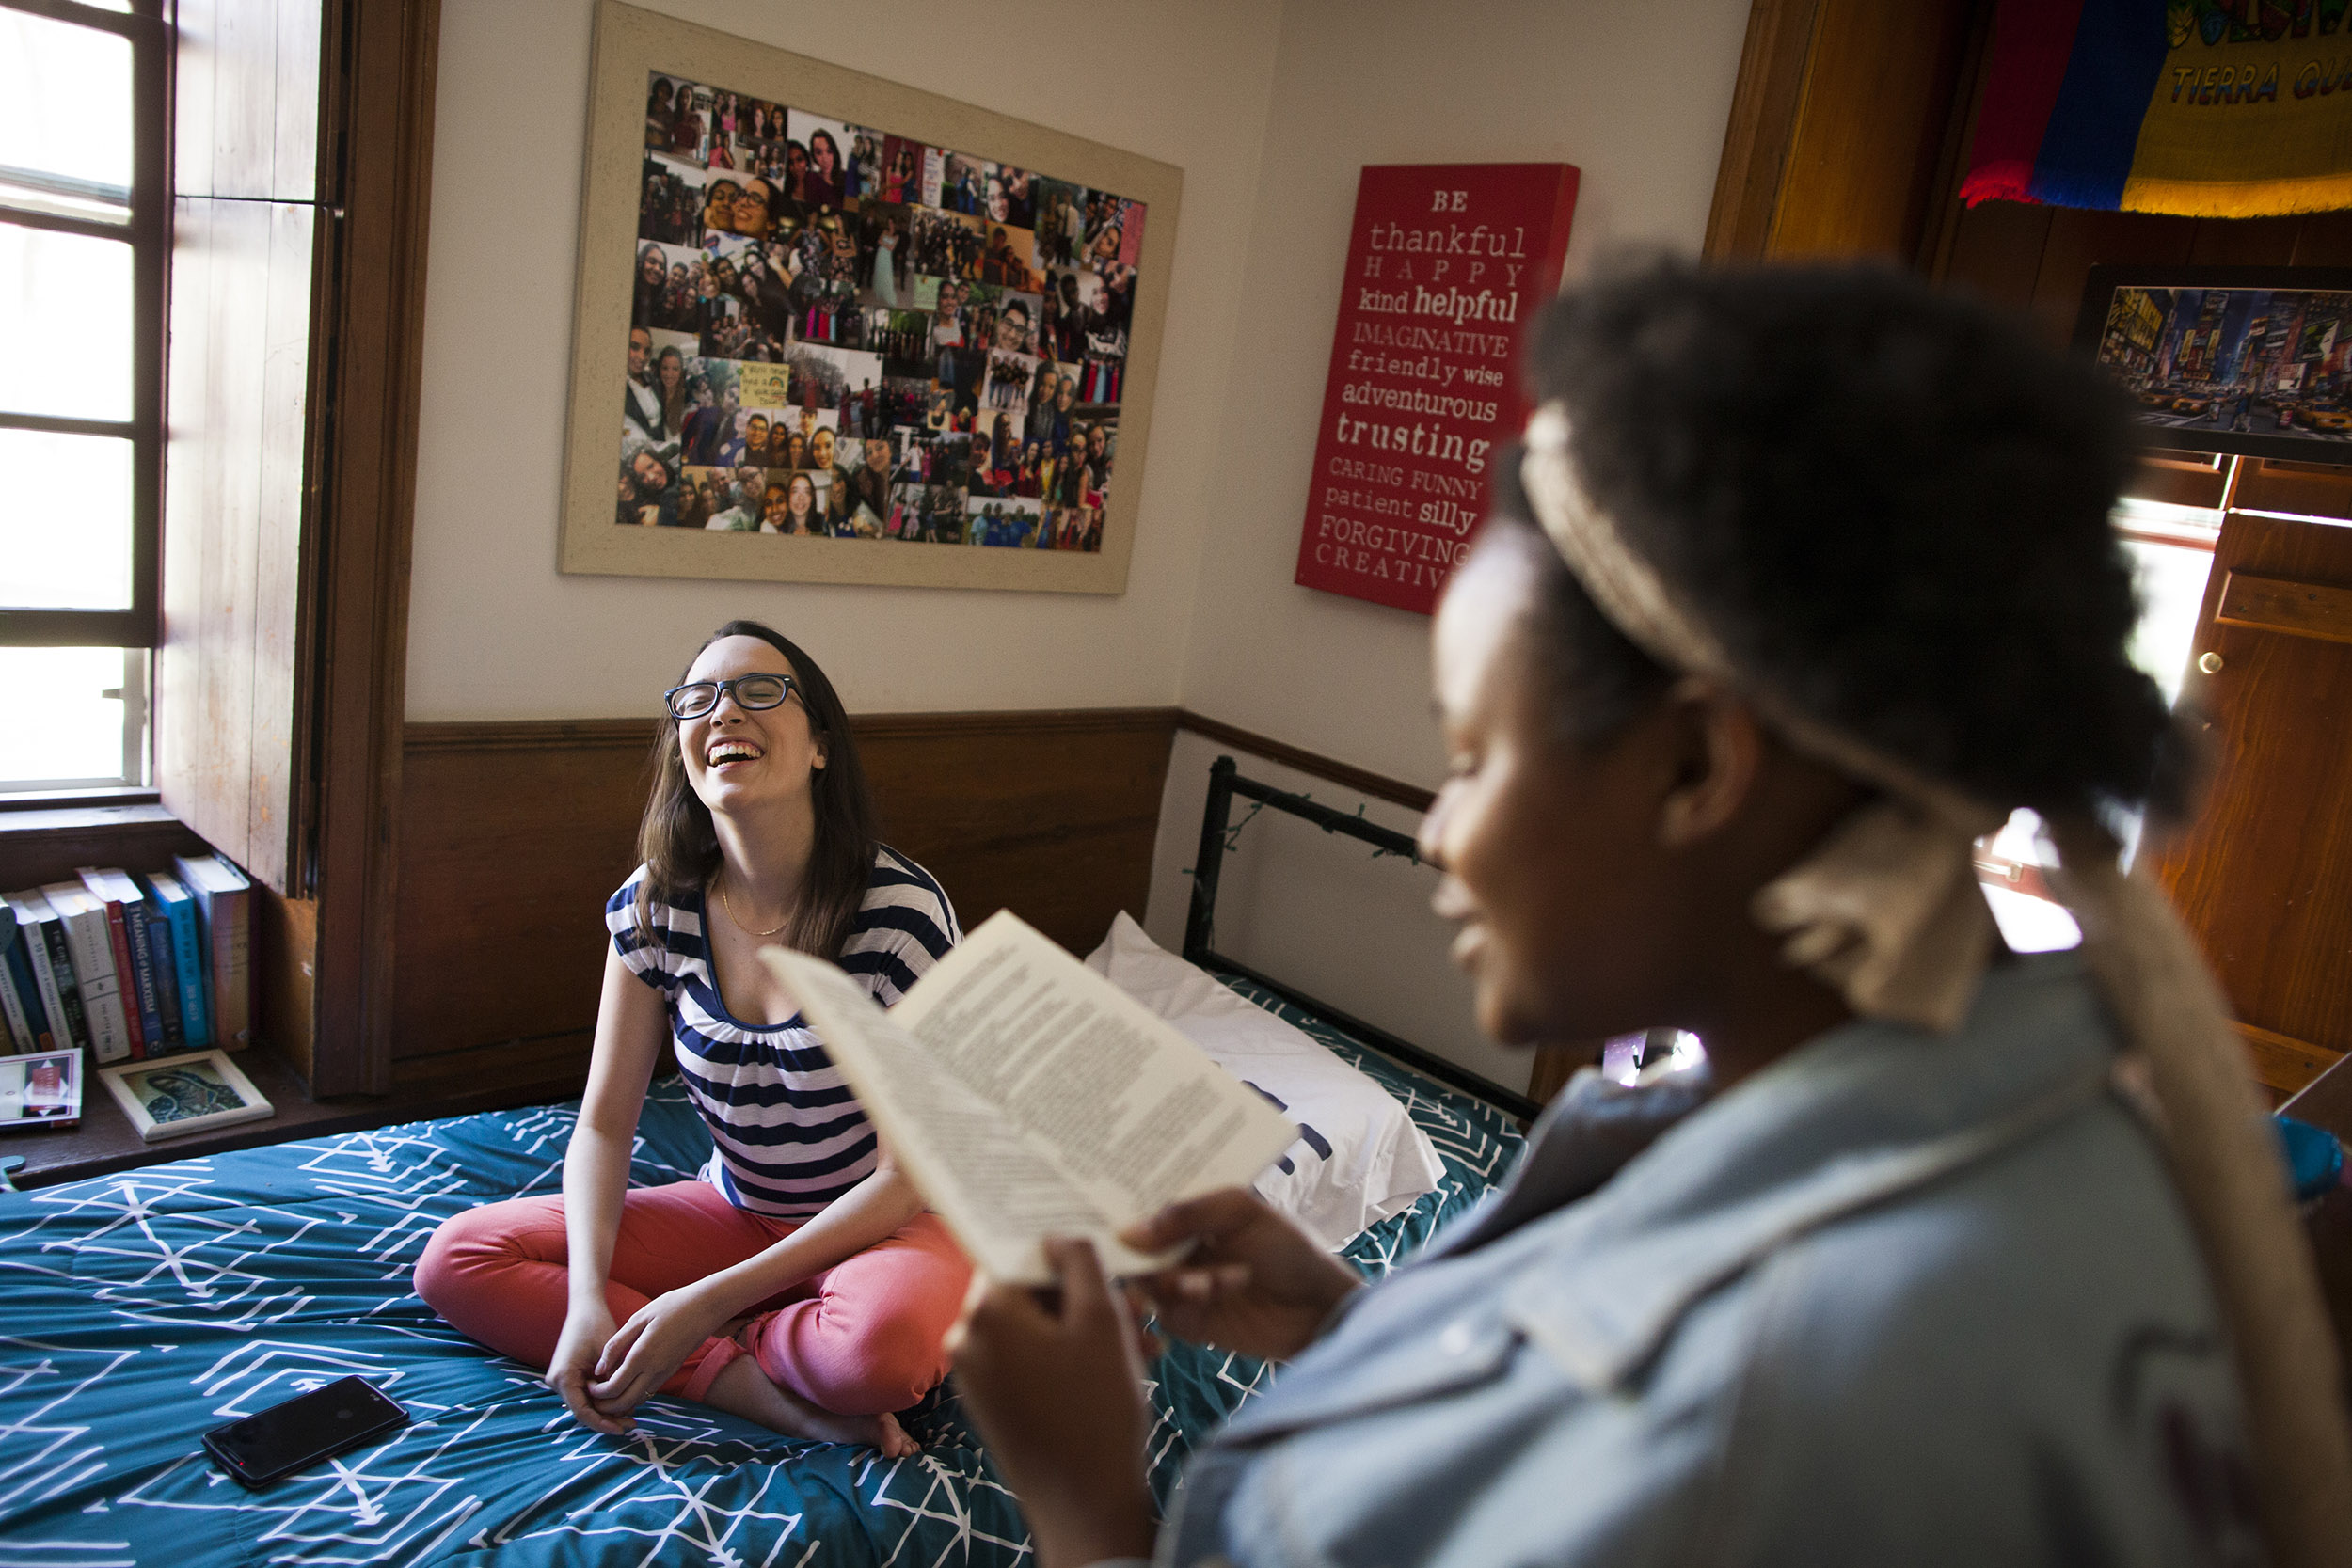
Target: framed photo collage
[846, 332]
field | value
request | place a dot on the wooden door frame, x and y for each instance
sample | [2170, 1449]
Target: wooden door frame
[1793, 142]
[371, 317]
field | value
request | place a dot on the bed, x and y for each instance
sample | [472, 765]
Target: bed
[138, 1309]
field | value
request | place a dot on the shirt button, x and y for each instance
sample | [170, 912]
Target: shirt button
[1457, 1338]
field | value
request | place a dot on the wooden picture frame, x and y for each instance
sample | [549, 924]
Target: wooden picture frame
[213, 1092]
[40, 1088]
[2199, 378]
[633, 46]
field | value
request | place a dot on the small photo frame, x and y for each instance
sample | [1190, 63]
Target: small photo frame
[178, 1095]
[2255, 361]
[42, 1088]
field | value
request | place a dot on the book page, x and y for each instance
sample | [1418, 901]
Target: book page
[1028, 1097]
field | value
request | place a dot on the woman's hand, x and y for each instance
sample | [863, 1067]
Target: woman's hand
[1057, 1390]
[657, 1338]
[587, 1328]
[1253, 1281]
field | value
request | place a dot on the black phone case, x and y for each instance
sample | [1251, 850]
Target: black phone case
[389, 1417]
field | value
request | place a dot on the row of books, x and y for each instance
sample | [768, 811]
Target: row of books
[129, 966]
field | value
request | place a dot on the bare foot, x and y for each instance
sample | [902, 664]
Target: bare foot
[742, 1389]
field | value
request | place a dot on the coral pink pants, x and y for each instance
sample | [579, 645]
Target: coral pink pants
[861, 1339]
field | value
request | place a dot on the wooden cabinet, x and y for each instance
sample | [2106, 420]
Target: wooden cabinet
[2264, 876]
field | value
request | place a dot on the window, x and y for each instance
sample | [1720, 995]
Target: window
[2170, 548]
[84, 237]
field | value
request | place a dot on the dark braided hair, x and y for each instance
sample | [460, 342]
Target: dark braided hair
[1890, 504]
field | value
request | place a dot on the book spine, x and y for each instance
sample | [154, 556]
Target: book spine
[148, 1018]
[90, 952]
[126, 981]
[187, 961]
[231, 923]
[20, 961]
[166, 978]
[64, 998]
[24, 1035]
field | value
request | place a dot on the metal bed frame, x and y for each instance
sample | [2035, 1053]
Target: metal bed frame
[1225, 782]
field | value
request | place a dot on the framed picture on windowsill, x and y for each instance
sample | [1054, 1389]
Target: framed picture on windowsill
[2255, 361]
[172, 1096]
[829, 328]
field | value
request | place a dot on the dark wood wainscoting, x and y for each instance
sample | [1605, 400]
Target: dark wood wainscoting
[512, 835]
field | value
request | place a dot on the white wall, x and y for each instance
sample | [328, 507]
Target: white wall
[1319, 912]
[1637, 98]
[1269, 109]
[494, 632]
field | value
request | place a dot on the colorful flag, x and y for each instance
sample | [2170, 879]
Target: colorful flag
[2205, 109]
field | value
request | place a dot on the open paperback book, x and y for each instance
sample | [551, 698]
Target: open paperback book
[1028, 1097]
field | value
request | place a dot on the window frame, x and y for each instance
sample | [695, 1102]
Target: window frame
[149, 234]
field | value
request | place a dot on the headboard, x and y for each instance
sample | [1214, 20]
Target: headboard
[1224, 783]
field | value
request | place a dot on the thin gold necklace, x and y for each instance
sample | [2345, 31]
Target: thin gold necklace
[739, 919]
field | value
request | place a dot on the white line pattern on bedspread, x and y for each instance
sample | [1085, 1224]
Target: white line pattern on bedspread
[138, 1309]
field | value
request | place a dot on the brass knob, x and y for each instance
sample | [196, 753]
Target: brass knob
[2209, 663]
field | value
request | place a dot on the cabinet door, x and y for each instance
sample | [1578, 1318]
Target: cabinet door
[2264, 876]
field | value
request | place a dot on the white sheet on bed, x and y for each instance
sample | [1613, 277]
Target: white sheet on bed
[1377, 1161]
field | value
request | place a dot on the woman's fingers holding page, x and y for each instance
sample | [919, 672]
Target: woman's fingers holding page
[1253, 1281]
[1200, 1220]
[1200, 1287]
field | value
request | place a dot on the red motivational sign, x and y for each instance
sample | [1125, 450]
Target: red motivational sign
[1445, 265]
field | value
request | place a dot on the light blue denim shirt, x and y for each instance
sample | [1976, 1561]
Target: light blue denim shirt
[1897, 1299]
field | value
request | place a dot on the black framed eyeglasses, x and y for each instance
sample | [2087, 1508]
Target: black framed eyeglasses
[696, 698]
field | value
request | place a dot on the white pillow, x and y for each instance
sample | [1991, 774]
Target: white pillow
[1360, 1158]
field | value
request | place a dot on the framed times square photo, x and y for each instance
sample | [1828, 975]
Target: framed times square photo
[2251, 361]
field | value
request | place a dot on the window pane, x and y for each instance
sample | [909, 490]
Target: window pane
[65, 114]
[2171, 591]
[65, 313]
[58, 723]
[65, 533]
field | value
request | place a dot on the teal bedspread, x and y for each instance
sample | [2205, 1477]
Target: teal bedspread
[137, 1310]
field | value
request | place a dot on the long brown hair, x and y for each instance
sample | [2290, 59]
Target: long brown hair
[681, 846]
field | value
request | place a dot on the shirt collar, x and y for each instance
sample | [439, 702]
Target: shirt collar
[1867, 1111]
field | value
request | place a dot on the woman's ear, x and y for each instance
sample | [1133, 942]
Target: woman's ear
[1720, 748]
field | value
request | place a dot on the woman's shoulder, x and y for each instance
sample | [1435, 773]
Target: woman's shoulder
[662, 908]
[900, 895]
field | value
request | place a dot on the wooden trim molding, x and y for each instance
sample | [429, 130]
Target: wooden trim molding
[1361, 779]
[2282, 1062]
[1052, 813]
[540, 735]
[529, 734]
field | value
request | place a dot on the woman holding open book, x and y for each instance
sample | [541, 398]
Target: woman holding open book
[1808, 583]
[799, 1281]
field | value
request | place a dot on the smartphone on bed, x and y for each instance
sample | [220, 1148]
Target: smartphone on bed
[273, 1443]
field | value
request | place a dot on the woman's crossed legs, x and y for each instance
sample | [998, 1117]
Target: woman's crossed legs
[861, 1339]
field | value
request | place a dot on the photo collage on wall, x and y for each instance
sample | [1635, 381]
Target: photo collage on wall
[838, 331]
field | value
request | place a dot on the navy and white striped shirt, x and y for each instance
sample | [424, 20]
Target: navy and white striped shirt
[791, 1138]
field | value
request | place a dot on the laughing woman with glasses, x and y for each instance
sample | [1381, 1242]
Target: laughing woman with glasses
[799, 1282]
